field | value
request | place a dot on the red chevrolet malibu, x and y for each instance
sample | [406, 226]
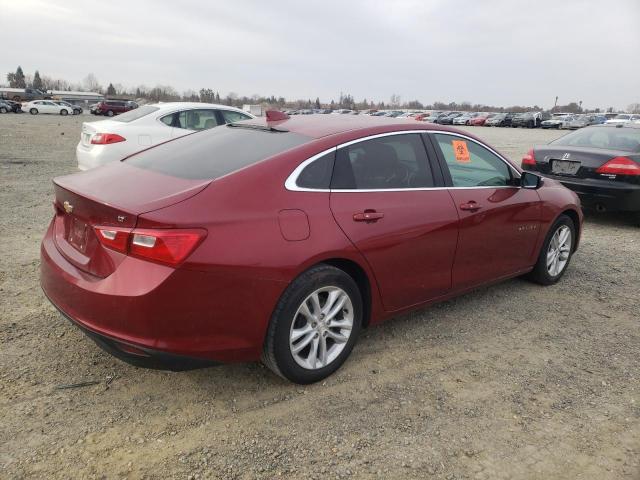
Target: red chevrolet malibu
[281, 239]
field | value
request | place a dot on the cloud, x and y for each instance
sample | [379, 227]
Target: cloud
[495, 51]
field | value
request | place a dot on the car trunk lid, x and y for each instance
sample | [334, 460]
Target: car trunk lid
[575, 162]
[114, 195]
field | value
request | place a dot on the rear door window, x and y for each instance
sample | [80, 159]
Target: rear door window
[196, 119]
[388, 162]
[472, 165]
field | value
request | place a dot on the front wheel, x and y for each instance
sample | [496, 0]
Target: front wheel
[3, 110]
[33, 111]
[109, 113]
[314, 326]
[64, 112]
[555, 253]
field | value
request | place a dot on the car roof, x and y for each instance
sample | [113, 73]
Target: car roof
[617, 125]
[178, 105]
[318, 126]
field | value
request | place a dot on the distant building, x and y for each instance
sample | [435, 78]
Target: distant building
[77, 98]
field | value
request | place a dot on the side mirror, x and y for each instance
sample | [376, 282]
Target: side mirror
[530, 180]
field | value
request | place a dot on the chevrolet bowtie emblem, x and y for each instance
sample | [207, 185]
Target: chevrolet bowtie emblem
[67, 207]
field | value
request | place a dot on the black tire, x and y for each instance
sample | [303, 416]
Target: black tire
[33, 111]
[540, 274]
[3, 110]
[64, 112]
[16, 98]
[109, 113]
[276, 353]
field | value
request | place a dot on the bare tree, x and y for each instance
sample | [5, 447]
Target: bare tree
[90, 83]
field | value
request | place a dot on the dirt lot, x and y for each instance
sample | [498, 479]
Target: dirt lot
[512, 381]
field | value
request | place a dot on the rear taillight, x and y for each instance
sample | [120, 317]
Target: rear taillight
[620, 166]
[168, 246]
[106, 138]
[529, 158]
[114, 238]
[165, 246]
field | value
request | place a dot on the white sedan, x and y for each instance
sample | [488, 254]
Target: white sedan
[114, 139]
[46, 106]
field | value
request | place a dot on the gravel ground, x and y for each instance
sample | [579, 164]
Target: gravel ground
[511, 381]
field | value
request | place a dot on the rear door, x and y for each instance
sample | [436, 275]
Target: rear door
[383, 198]
[499, 222]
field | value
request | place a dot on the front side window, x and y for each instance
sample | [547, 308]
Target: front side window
[389, 162]
[231, 116]
[472, 165]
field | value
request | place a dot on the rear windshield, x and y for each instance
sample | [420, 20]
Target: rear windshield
[610, 138]
[132, 115]
[210, 154]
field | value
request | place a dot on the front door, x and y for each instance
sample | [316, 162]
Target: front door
[382, 197]
[499, 221]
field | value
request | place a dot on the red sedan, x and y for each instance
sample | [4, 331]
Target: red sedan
[281, 239]
[480, 120]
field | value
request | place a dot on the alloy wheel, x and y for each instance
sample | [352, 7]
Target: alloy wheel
[559, 251]
[321, 327]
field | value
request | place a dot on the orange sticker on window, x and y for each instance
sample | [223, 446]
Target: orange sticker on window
[461, 151]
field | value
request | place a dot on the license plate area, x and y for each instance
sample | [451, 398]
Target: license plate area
[564, 167]
[86, 139]
[78, 234]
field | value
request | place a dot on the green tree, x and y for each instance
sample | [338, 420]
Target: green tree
[317, 102]
[37, 81]
[16, 80]
[111, 90]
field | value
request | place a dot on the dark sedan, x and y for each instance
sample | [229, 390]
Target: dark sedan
[601, 163]
[7, 106]
[448, 119]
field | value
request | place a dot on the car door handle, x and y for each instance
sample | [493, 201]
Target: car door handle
[470, 206]
[368, 216]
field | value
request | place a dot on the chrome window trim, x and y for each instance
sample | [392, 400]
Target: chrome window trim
[291, 185]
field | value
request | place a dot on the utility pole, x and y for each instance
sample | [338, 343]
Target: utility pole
[556, 103]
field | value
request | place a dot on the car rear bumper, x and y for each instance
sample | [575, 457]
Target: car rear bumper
[153, 315]
[603, 194]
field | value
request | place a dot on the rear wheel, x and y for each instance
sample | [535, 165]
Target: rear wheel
[314, 326]
[33, 111]
[555, 253]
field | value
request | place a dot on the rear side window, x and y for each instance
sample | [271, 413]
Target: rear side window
[472, 165]
[389, 162]
[214, 153]
[132, 115]
[231, 116]
[317, 175]
[612, 138]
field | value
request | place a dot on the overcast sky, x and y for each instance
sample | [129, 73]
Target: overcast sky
[500, 52]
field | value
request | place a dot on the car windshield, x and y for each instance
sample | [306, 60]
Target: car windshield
[210, 154]
[132, 115]
[611, 138]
